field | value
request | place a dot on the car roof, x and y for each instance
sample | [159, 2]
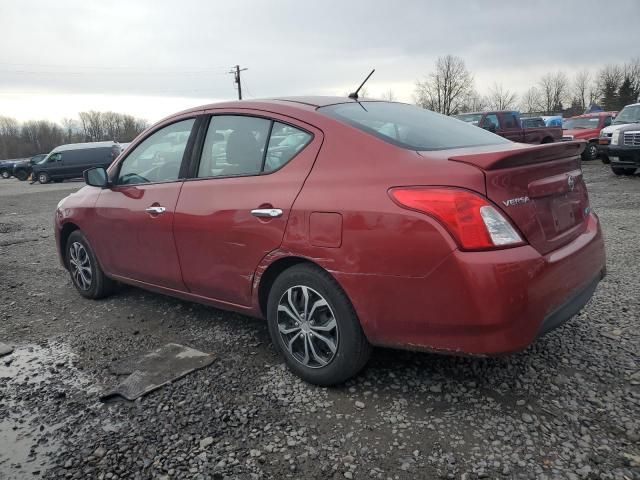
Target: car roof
[83, 146]
[303, 103]
[594, 114]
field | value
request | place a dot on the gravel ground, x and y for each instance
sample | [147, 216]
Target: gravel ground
[568, 407]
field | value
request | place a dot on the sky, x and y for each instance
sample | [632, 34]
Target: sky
[153, 58]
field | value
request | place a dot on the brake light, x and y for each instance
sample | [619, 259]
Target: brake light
[471, 219]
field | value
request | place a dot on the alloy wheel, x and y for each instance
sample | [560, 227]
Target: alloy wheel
[307, 326]
[80, 266]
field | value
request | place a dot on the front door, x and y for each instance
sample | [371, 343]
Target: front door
[133, 233]
[236, 209]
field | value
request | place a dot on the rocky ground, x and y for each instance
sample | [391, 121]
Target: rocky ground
[568, 407]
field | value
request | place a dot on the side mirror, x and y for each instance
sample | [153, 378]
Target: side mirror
[96, 177]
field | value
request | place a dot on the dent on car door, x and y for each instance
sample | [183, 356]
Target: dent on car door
[133, 225]
[235, 210]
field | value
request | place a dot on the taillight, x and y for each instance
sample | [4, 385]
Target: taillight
[471, 219]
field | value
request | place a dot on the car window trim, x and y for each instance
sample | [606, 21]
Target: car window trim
[188, 149]
[193, 171]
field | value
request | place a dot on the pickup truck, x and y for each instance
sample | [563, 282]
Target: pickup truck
[507, 124]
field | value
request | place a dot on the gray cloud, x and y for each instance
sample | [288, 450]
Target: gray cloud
[170, 48]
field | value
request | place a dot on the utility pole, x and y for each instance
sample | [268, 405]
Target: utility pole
[236, 71]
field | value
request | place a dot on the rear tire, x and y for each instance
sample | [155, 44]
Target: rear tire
[623, 171]
[43, 177]
[547, 140]
[590, 152]
[321, 340]
[86, 274]
[5, 174]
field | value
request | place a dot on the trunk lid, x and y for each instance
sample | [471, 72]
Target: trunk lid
[540, 188]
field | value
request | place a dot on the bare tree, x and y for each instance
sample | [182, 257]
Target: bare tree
[389, 96]
[582, 89]
[92, 125]
[9, 137]
[112, 125]
[500, 98]
[531, 101]
[554, 88]
[445, 89]
[473, 102]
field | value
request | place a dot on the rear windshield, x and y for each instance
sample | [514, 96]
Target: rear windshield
[411, 127]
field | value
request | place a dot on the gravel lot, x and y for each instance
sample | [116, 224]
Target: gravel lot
[568, 407]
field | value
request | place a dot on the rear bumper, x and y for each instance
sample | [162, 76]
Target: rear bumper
[481, 303]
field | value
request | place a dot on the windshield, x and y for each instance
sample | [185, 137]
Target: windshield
[629, 114]
[469, 117]
[42, 160]
[410, 127]
[580, 123]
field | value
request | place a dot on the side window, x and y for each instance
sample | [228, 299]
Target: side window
[234, 145]
[490, 122]
[285, 142]
[56, 157]
[510, 120]
[158, 157]
[607, 121]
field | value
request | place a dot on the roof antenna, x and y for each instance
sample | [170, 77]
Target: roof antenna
[354, 95]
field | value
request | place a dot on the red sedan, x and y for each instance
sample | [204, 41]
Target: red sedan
[345, 224]
[587, 127]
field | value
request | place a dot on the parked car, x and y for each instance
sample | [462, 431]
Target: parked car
[23, 168]
[507, 124]
[69, 161]
[587, 127]
[629, 114]
[380, 223]
[624, 149]
[6, 167]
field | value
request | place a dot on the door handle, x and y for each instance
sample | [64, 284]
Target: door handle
[266, 212]
[156, 210]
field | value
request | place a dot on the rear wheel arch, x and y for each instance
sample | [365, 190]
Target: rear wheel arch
[271, 273]
[274, 270]
[547, 140]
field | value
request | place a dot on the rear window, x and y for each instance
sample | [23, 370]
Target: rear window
[411, 127]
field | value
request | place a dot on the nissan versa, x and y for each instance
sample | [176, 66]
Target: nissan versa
[345, 224]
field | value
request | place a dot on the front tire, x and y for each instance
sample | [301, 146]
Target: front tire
[21, 175]
[623, 171]
[86, 274]
[314, 326]
[43, 177]
[590, 152]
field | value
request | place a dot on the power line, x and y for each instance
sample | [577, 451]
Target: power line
[237, 80]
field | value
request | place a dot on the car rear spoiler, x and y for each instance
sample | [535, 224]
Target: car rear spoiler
[525, 156]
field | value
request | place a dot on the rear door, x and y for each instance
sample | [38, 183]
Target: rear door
[133, 225]
[234, 210]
